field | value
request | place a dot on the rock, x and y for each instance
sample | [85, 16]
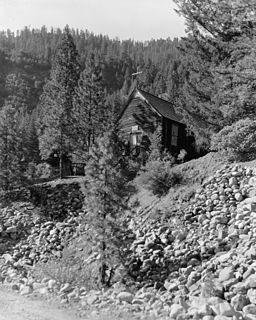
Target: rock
[125, 296]
[92, 299]
[250, 281]
[138, 301]
[250, 309]
[239, 288]
[52, 283]
[226, 309]
[251, 294]
[8, 258]
[15, 287]
[239, 301]
[220, 306]
[224, 257]
[12, 229]
[204, 310]
[226, 274]
[24, 290]
[238, 196]
[43, 291]
[232, 181]
[66, 288]
[171, 286]
[176, 310]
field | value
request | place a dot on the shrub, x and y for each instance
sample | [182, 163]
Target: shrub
[159, 176]
[71, 268]
[43, 170]
[238, 139]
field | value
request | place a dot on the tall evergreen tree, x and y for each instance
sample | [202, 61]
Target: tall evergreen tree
[56, 103]
[236, 95]
[224, 19]
[91, 112]
[29, 138]
[107, 191]
[11, 151]
[215, 29]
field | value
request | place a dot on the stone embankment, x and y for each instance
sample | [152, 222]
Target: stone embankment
[56, 202]
[198, 264]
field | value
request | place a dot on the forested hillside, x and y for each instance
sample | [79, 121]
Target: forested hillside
[77, 81]
[28, 68]
[28, 54]
[175, 240]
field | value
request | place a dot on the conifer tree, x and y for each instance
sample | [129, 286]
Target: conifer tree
[56, 103]
[91, 111]
[11, 151]
[220, 19]
[212, 90]
[29, 138]
[236, 95]
[107, 191]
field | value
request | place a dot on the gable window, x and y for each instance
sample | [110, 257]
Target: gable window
[175, 134]
[135, 136]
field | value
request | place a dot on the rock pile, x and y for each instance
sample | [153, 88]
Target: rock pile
[211, 223]
[28, 237]
[200, 264]
[207, 260]
[57, 202]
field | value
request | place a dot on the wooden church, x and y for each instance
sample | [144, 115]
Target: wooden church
[143, 113]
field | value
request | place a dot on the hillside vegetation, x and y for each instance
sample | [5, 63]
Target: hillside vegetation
[183, 256]
[155, 237]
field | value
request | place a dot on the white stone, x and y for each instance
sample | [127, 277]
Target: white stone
[66, 288]
[176, 310]
[250, 308]
[125, 296]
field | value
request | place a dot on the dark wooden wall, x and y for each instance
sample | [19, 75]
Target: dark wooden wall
[138, 113]
[167, 136]
[143, 115]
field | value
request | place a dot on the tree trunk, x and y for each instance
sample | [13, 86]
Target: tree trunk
[61, 151]
[61, 166]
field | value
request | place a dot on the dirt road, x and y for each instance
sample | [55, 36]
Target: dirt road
[16, 307]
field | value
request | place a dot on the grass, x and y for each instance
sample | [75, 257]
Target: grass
[72, 267]
[193, 173]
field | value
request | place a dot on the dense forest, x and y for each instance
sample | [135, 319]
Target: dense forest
[75, 82]
[27, 56]
[27, 61]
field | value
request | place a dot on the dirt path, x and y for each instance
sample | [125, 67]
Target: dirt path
[16, 307]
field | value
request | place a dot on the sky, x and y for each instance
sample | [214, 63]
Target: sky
[124, 19]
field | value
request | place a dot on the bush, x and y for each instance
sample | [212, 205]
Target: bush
[71, 268]
[159, 176]
[238, 139]
[43, 170]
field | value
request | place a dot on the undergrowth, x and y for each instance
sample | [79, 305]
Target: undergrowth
[158, 176]
[73, 267]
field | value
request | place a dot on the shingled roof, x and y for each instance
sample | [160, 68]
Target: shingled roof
[163, 107]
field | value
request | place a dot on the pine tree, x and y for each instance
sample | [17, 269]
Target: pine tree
[211, 89]
[56, 103]
[30, 142]
[11, 151]
[224, 19]
[105, 201]
[91, 111]
[236, 95]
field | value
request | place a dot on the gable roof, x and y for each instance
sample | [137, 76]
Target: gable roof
[163, 107]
